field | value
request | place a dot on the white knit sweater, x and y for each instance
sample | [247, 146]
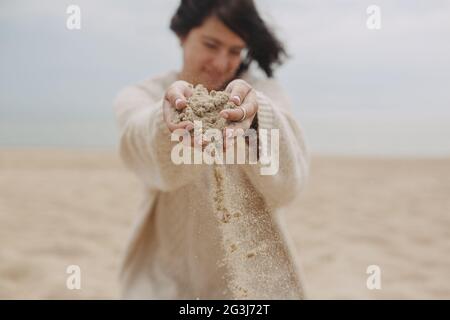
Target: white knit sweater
[177, 250]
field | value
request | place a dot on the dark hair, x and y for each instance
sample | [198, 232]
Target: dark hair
[242, 17]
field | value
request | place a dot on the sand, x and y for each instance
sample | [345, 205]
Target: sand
[255, 259]
[59, 208]
[205, 106]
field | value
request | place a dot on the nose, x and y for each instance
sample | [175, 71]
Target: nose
[220, 62]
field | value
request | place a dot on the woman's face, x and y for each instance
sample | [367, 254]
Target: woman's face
[211, 54]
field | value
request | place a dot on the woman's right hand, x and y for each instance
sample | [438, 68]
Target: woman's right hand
[176, 99]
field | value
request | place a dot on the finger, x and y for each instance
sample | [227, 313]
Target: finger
[168, 114]
[176, 98]
[250, 105]
[187, 125]
[238, 90]
[177, 95]
[232, 114]
[188, 90]
[237, 113]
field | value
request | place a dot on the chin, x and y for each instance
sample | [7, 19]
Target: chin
[214, 85]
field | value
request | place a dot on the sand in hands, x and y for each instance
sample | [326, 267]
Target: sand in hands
[205, 107]
[255, 257]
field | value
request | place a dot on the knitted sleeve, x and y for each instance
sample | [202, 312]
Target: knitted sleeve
[284, 175]
[145, 144]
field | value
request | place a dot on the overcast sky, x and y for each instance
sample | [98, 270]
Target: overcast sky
[345, 80]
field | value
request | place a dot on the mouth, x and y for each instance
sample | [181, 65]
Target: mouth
[214, 76]
[214, 79]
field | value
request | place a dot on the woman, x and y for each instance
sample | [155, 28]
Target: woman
[178, 250]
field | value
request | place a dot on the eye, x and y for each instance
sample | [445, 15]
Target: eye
[235, 52]
[210, 45]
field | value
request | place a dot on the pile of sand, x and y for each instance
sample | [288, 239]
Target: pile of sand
[205, 107]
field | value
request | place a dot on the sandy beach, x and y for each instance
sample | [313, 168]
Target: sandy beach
[62, 207]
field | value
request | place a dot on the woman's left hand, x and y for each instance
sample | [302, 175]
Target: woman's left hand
[244, 96]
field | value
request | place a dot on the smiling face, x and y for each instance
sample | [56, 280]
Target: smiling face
[211, 54]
